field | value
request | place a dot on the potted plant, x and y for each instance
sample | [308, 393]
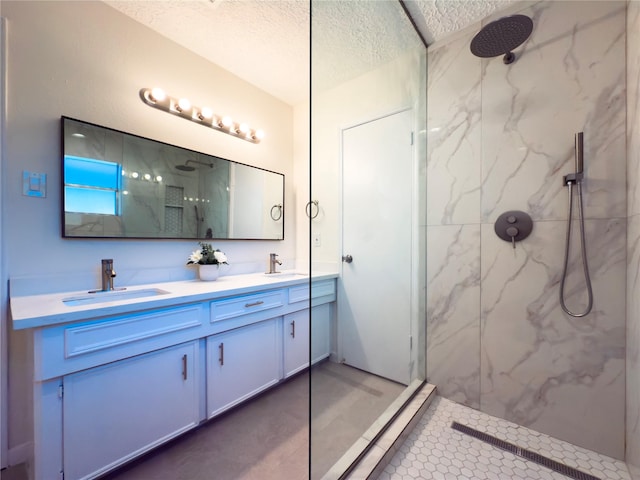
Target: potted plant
[208, 260]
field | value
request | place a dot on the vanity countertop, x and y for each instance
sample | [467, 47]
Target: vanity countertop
[35, 311]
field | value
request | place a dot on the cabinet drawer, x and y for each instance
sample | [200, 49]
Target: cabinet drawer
[64, 349]
[300, 293]
[99, 336]
[237, 306]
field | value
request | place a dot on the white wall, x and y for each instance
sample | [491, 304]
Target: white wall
[301, 184]
[87, 61]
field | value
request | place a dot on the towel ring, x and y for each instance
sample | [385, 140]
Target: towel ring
[309, 208]
[278, 213]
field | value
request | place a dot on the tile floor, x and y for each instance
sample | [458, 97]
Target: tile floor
[434, 450]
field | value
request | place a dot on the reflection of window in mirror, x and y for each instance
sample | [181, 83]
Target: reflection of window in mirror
[91, 186]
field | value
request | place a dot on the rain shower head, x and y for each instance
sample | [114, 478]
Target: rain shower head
[187, 168]
[501, 36]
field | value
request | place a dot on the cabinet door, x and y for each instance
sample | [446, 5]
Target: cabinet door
[321, 316]
[241, 363]
[117, 411]
[296, 342]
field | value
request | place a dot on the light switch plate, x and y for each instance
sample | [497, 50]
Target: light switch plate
[34, 184]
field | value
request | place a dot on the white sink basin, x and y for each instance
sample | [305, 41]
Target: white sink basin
[111, 296]
[286, 275]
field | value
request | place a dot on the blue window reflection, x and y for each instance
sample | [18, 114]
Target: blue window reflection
[91, 186]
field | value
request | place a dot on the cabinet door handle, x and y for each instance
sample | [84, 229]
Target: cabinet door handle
[221, 354]
[254, 304]
[184, 367]
[293, 329]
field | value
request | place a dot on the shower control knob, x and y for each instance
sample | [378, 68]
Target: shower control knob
[347, 258]
[513, 226]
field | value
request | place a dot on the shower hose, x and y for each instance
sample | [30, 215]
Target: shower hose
[585, 266]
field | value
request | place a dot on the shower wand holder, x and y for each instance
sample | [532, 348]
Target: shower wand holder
[572, 179]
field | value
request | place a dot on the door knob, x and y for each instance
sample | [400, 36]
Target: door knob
[347, 258]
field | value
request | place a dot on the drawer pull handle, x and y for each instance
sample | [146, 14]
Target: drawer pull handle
[254, 304]
[221, 354]
[184, 367]
[293, 329]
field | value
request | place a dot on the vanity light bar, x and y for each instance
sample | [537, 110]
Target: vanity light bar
[182, 107]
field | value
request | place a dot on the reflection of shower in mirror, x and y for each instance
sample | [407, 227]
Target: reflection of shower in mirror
[188, 168]
[199, 220]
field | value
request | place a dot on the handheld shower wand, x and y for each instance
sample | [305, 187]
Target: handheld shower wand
[568, 181]
[579, 153]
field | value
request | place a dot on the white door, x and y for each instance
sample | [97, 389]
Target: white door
[374, 303]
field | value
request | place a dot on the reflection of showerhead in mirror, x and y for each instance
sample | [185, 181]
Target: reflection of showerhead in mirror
[187, 168]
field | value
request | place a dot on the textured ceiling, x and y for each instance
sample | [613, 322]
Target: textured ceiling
[436, 19]
[266, 42]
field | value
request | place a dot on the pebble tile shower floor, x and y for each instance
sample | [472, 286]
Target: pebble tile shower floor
[434, 450]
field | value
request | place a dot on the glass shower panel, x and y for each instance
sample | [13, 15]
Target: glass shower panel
[368, 167]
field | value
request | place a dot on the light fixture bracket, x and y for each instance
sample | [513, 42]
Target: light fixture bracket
[201, 115]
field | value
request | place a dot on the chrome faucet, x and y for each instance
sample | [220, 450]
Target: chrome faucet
[273, 261]
[108, 274]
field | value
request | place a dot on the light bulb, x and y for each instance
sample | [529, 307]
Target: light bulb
[135, 175]
[158, 178]
[244, 128]
[205, 112]
[125, 192]
[259, 134]
[158, 95]
[183, 104]
[147, 176]
[226, 121]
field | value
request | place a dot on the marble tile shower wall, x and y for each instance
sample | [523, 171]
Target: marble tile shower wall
[633, 239]
[500, 138]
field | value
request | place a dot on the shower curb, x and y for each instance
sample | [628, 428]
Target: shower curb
[371, 453]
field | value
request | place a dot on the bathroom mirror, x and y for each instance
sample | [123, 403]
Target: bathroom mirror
[119, 185]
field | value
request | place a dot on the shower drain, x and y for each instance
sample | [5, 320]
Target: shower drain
[524, 453]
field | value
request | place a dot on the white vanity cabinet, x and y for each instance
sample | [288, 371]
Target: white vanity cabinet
[321, 317]
[321, 295]
[117, 411]
[241, 363]
[301, 330]
[112, 382]
[296, 342]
